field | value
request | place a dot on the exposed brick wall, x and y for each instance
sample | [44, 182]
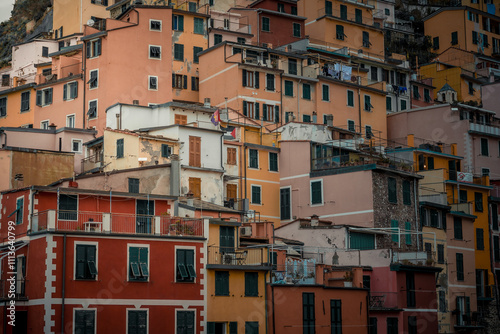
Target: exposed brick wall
[385, 211]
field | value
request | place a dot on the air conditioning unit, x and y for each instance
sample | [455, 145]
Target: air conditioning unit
[228, 258]
[246, 231]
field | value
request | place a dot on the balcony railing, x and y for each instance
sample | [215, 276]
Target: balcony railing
[484, 129]
[462, 207]
[230, 256]
[92, 162]
[235, 203]
[59, 73]
[383, 300]
[15, 287]
[116, 223]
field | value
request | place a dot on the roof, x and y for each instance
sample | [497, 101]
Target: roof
[202, 205]
[139, 134]
[271, 12]
[67, 50]
[18, 88]
[445, 88]
[95, 35]
[173, 104]
[48, 131]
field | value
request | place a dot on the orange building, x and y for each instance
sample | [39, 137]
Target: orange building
[17, 106]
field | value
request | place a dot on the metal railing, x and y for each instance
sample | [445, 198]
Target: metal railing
[59, 73]
[234, 203]
[383, 300]
[116, 223]
[92, 162]
[230, 256]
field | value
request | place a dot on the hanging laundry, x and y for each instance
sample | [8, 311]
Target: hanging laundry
[346, 72]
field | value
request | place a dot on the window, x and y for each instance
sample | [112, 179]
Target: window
[406, 192]
[408, 233]
[94, 48]
[44, 97]
[217, 39]
[478, 202]
[250, 79]
[494, 216]
[326, 92]
[361, 241]
[178, 22]
[154, 52]
[366, 39]
[471, 88]
[496, 248]
[388, 103]
[454, 38]
[231, 156]
[288, 88]
[198, 26]
[68, 207]
[179, 81]
[265, 24]
[484, 147]
[251, 109]
[5, 80]
[350, 98]
[25, 101]
[44, 125]
[285, 204]
[336, 316]
[45, 51]
[179, 52]
[94, 79]
[256, 195]
[185, 270]
[416, 94]
[343, 12]
[372, 329]
[485, 171]
[474, 37]
[137, 321]
[253, 157]
[368, 132]
[392, 326]
[296, 30]
[281, 8]
[368, 103]
[84, 321]
[387, 11]
[270, 82]
[194, 151]
[412, 325]
[133, 185]
[70, 91]
[154, 25]
[479, 239]
[294, 10]
[185, 322]
[328, 8]
[119, 148]
[457, 228]
[70, 121]
[462, 196]
[19, 210]
[76, 145]
[435, 43]
[268, 112]
[440, 251]
[292, 66]
[442, 301]
[317, 192]
[192, 7]
[251, 284]
[427, 95]
[92, 113]
[166, 150]
[85, 262]
[195, 187]
[273, 162]
[306, 91]
[460, 266]
[340, 32]
[308, 315]
[374, 73]
[410, 289]
[395, 233]
[196, 50]
[251, 327]
[358, 15]
[393, 195]
[222, 283]
[138, 264]
[3, 107]
[351, 125]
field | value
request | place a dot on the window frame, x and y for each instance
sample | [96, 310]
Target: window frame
[139, 246]
[179, 310]
[72, 214]
[350, 92]
[322, 202]
[256, 186]
[155, 21]
[227, 290]
[325, 88]
[288, 84]
[248, 292]
[308, 97]
[265, 25]
[196, 26]
[68, 118]
[96, 85]
[294, 29]
[23, 102]
[44, 125]
[42, 95]
[3, 107]
[150, 46]
[178, 48]
[190, 279]
[80, 309]
[149, 82]
[80, 145]
[137, 310]
[250, 150]
[177, 22]
[120, 153]
[271, 169]
[88, 110]
[68, 87]
[94, 244]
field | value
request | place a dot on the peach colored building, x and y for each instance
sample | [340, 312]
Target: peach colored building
[228, 26]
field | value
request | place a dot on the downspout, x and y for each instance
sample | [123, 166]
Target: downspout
[298, 99]
[84, 70]
[245, 167]
[258, 27]
[265, 297]
[222, 163]
[63, 283]
[272, 301]
[415, 189]
[359, 111]
[281, 97]
[120, 117]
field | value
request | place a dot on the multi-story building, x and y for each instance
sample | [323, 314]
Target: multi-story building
[92, 261]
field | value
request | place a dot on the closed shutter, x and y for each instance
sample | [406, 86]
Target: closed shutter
[256, 84]
[494, 216]
[49, 96]
[316, 197]
[392, 184]
[211, 327]
[180, 23]
[81, 263]
[408, 233]
[90, 264]
[226, 241]
[39, 98]
[244, 78]
[173, 80]
[233, 328]
[89, 45]
[245, 108]
[285, 204]
[133, 259]
[264, 112]
[479, 239]
[99, 46]
[336, 316]
[328, 8]
[119, 148]
[395, 233]
[180, 119]
[277, 114]
[460, 266]
[406, 192]
[257, 110]
[74, 90]
[231, 191]
[185, 85]
[194, 151]
[361, 241]
[251, 284]
[195, 187]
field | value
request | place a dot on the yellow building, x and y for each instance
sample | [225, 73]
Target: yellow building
[17, 106]
[71, 16]
[235, 281]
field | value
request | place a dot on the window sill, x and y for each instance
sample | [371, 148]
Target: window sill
[85, 280]
[317, 204]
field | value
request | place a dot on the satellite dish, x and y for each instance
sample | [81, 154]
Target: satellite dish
[90, 23]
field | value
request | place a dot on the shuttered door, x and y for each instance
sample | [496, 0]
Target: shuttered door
[137, 322]
[226, 238]
[194, 151]
[285, 203]
[231, 191]
[195, 187]
[361, 241]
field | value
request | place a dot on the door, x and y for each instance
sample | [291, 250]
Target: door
[21, 326]
[226, 239]
[144, 211]
[194, 151]
[285, 207]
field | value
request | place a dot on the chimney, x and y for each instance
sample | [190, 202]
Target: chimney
[175, 167]
[314, 220]
[206, 102]
[52, 127]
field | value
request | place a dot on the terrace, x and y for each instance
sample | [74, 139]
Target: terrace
[238, 258]
[116, 223]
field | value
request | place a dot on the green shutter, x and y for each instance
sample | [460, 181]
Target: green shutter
[257, 110]
[222, 283]
[328, 7]
[326, 93]
[406, 192]
[277, 114]
[460, 266]
[408, 234]
[350, 98]
[233, 328]
[361, 241]
[479, 239]
[211, 327]
[257, 80]
[80, 261]
[245, 108]
[190, 263]
[39, 98]
[252, 284]
[316, 197]
[392, 185]
[394, 226]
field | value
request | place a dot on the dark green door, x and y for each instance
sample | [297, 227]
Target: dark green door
[226, 239]
[145, 209]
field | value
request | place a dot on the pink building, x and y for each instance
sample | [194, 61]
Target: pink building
[422, 93]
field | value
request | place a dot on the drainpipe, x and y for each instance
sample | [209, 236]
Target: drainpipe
[298, 99]
[265, 296]
[272, 301]
[359, 110]
[245, 167]
[415, 189]
[84, 70]
[281, 97]
[63, 283]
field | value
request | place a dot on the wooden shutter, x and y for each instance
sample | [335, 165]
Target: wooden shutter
[231, 191]
[195, 186]
[231, 156]
[194, 151]
[180, 119]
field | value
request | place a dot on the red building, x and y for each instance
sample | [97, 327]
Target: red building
[89, 261]
[276, 22]
[402, 299]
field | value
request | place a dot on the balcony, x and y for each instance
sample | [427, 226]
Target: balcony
[59, 73]
[16, 287]
[115, 223]
[240, 204]
[484, 129]
[295, 272]
[93, 162]
[238, 258]
[462, 207]
[382, 301]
